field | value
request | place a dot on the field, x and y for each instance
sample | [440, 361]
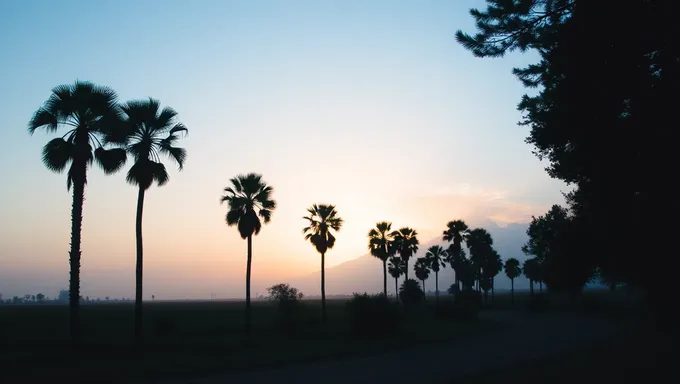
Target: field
[189, 339]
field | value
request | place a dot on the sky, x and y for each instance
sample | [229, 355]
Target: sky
[369, 105]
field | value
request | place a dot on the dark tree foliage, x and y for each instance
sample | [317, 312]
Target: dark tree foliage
[410, 293]
[554, 240]
[603, 117]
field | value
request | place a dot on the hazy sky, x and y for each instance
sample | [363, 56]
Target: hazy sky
[370, 105]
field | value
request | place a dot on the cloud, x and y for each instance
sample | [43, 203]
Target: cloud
[475, 204]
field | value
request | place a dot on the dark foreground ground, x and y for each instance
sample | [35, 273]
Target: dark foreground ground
[603, 338]
[194, 339]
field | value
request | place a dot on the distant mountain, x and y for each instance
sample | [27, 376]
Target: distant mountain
[364, 274]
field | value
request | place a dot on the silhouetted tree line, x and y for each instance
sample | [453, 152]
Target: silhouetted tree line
[604, 119]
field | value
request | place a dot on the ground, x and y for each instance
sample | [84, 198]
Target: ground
[202, 342]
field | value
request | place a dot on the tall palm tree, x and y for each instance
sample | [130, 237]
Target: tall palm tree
[88, 112]
[455, 233]
[322, 219]
[512, 271]
[531, 271]
[406, 240]
[422, 270]
[381, 245]
[149, 132]
[396, 269]
[492, 267]
[435, 257]
[455, 256]
[479, 243]
[249, 199]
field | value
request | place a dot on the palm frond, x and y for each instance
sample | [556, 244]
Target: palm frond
[45, 119]
[57, 153]
[110, 160]
[160, 174]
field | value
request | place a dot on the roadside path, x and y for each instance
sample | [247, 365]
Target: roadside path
[526, 336]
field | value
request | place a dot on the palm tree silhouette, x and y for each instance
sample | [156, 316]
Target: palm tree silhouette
[456, 232]
[322, 218]
[396, 267]
[149, 132]
[435, 257]
[422, 270]
[89, 112]
[455, 256]
[479, 243]
[406, 240]
[381, 245]
[249, 199]
[512, 271]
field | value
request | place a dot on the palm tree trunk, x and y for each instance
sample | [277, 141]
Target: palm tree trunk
[493, 291]
[424, 291]
[531, 287]
[385, 278]
[74, 261]
[436, 287]
[540, 286]
[323, 287]
[512, 291]
[405, 269]
[140, 266]
[249, 262]
[396, 289]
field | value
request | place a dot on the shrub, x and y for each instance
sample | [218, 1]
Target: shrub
[373, 316]
[410, 293]
[288, 303]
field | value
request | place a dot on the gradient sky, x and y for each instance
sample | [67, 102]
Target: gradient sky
[369, 105]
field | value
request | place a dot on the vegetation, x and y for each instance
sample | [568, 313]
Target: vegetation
[512, 271]
[601, 143]
[422, 270]
[406, 242]
[323, 219]
[382, 246]
[410, 293]
[147, 132]
[434, 258]
[88, 112]
[396, 267]
[249, 200]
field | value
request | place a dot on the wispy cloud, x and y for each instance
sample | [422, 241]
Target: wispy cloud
[475, 204]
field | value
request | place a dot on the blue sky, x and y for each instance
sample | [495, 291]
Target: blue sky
[371, 105]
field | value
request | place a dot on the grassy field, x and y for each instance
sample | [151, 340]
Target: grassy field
[193, 339]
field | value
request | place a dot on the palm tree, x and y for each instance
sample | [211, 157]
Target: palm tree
[381, 245]
[249, 199]
[396, 268]
[149, 132]
[455, 256]
[531, 271]
[88, 112]
[422, 270]
[322, 219]
[435, 257]
[512, 271]
[479, 243]
[406, 240]
[456, 231]
[492, 267]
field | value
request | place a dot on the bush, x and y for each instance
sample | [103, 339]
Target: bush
[466, 305]
[289, 304]
[373, 316]
[410, 293]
